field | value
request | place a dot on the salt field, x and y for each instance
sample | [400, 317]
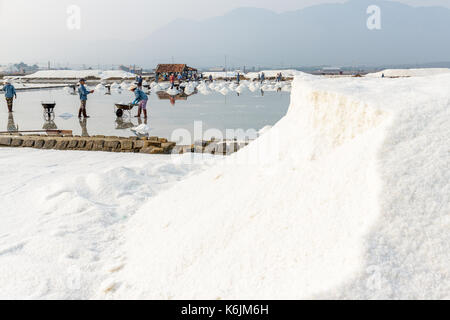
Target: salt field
[348, 200]
[225, 160]
[221, 109]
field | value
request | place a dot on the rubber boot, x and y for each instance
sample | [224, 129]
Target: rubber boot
[79, 113]
[145, 114]
[84, 114]
[9, 104]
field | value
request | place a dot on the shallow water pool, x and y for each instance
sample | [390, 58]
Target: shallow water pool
[252, 110]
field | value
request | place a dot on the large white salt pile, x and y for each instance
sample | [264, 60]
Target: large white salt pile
[348, 196]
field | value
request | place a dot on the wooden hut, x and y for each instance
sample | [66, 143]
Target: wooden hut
[176, 69]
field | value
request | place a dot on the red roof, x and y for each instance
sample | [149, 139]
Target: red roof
[173, 68]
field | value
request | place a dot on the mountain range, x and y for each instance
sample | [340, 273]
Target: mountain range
[326, 34]
[333, 34]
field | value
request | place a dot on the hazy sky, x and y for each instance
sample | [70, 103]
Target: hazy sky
[131, 18]
[37, 22]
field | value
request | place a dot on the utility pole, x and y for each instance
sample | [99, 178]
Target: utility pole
[226, 70]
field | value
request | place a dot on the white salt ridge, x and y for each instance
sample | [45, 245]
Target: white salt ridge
[287, 73]
[264, 130]
[408, 72]
[77, 74]
[221, 74]
[348, 196]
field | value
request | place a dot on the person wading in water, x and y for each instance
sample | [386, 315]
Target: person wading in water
[83, 92]
[10, 94]
[141, 99]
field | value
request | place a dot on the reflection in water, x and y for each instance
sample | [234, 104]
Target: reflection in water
[121, 124]
[83, 125]
[142, 122]
[163, 95]
[49, 114]
[252, 111]
[49, 125]
[12, 127]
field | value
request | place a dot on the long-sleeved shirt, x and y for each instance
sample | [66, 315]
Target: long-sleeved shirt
[83, 92]
[10, 91]
[140, 96]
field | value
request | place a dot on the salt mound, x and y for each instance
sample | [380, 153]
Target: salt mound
[157, 88]
[141, 130]
[173, 92]
[190, 89]
[204, 89]
[242, 88]
[348, 196]
[254, 87]
[124, 85]
[224, 91]
[99, 87]
[409, 72]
